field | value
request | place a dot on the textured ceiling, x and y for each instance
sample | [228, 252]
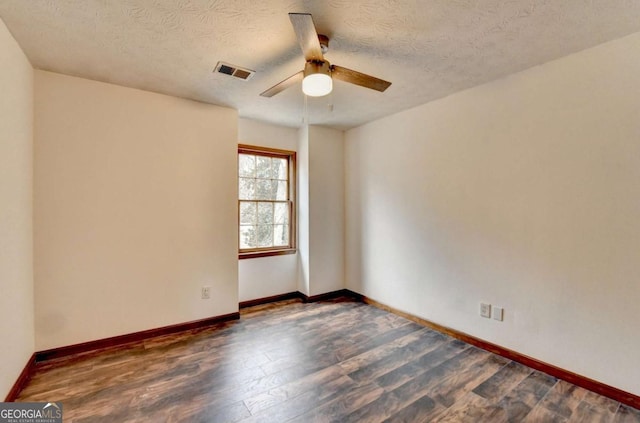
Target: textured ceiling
[427, 48]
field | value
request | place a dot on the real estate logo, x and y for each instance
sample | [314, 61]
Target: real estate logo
[30, 412]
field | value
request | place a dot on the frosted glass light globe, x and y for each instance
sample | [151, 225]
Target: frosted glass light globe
[317, 84]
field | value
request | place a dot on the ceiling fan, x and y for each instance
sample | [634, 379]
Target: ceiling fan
[318, 72]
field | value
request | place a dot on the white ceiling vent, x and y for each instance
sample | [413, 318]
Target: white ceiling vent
[237, 71]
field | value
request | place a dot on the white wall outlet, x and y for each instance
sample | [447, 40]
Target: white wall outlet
[498, 313]
[206, 292]
[485, 310]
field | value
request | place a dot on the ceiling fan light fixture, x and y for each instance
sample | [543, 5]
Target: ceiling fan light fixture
[317, 76]
[317, 80]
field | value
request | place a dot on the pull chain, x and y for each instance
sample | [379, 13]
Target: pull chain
[305, 111]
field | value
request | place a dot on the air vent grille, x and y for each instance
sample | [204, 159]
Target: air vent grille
[235, 71]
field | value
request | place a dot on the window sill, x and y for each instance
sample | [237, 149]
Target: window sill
[265, 253]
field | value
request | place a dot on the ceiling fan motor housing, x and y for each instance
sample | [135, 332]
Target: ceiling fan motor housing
[316, 66]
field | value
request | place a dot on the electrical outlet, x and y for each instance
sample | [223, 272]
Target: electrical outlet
[485, 310]
[206, 292]
[498, 313]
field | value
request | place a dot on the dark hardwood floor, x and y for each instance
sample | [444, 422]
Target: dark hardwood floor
[339, 360]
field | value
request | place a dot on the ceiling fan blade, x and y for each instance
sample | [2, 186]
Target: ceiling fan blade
[283, 85]
[307, 36]
[359, 78]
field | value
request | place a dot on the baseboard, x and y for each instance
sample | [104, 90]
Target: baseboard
[326, 296]
[579, 380]
[271, 299]
[22, 380]
[114, 341]
[297, 294]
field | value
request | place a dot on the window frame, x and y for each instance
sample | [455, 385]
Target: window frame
[291, 158]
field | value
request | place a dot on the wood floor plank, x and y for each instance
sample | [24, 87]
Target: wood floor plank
[377, 410]
[586, 412]
[627, 414]
[292, 389]
[515, 409]
[563, 398]
[229, 414]
[472, 408]
[421, 364]
[454, 386]
[380, 352]
[416, 385]
[344, 405]
[531, 390]
[338, 360]
[305, 402]
[311, 360]
[424, 409]
[503, 381]
[540, 414]
[426, 343]
[519, 402]
[385, 336]
[602, 402]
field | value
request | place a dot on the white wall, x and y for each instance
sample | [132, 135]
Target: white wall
[135, 210]
[303, 209]
[525, 193]
[266, 276]
[321, 210]
[16, 211]
[326, 209]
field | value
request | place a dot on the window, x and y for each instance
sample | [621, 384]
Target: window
[266, 206]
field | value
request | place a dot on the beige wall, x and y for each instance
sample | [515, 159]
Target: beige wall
[524, 193]
[16, 211]
[326, 209]
[267, 276]
[303, 210]
[320, 210]
[135, 210]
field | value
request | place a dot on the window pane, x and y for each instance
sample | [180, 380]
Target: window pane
[247, 188]
[263, 167]
[280, 188]
[248, 213]
[279, 168]
[262, 189]
[265, 235]
[264, 209]
[265, 213]
[281, 213]
[246, 165]
[248, 237]
[281, 235]
[266, 189]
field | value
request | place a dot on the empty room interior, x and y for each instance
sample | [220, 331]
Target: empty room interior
[321, 211]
